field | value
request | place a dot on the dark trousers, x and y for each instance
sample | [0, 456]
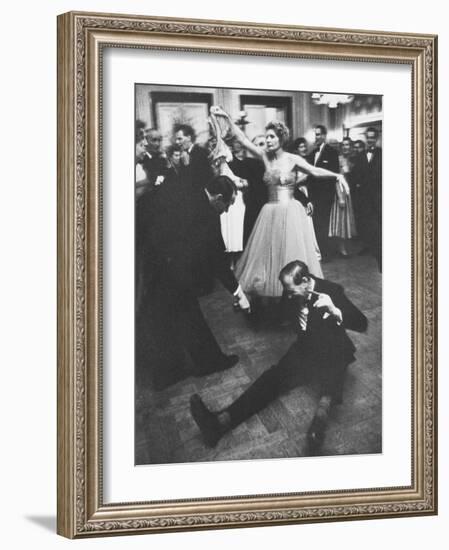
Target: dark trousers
[321, 216]
[306, 360]
[369, 227]
[173, 339]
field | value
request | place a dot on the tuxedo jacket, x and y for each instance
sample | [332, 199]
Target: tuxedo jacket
[368, 196]
[183, 244]
[199, 170]
[372, 185]
[252, 170]
[155, 165]
[255, 195]
[325, 342]
[324, 189]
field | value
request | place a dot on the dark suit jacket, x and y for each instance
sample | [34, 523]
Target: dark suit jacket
[324, 342]
[323, 191]
[324, 348]
[328, 158]
[373, 181]
[255, 195]
[182, 239]
[320, 354]
[182, 250]
[368, 198]
[154, 166]
[199, 171]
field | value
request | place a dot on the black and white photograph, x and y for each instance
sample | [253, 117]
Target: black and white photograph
[258, 274]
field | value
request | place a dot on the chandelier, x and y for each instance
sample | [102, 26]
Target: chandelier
[331, 100]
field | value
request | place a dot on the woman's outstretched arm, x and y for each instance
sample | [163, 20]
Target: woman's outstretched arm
[318, 172]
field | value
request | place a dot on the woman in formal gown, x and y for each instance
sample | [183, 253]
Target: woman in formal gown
[342, 220]
[282, 232]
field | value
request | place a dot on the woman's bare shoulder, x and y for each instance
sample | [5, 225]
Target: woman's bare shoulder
[294, 160]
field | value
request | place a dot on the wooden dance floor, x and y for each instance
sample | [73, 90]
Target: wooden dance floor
[166, 433]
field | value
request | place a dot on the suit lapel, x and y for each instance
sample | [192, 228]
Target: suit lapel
[315, 315]
[317, 158]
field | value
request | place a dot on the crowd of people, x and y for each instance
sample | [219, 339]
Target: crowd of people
[260, 215]
[335, 216]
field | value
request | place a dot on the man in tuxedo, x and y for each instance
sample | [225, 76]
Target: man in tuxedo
[367, 195]
[182, 243]
[322, 192]
[197, 168]
[155, 161]
[255, 194]
[371, 196]
[321, 353]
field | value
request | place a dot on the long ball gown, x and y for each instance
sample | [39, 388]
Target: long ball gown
[282, 233]
[342, 218]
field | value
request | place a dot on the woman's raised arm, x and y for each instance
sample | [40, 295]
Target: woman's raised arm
[237, 132]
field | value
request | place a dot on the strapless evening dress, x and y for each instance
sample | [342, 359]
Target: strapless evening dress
[283, 232]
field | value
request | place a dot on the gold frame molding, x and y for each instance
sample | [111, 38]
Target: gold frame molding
[81, 37]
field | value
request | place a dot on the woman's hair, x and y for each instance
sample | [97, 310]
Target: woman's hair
[280, 129]
[171, 149]
[255, 138]
[299, 141]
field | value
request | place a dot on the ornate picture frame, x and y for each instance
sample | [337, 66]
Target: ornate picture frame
[82, 510]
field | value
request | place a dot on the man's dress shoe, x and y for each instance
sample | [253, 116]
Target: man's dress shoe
[206, 420]
[315, 435]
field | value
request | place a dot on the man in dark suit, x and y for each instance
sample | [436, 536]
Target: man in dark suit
[321, 353]
[370, 196]
[155, 161]
[322, 192]
[197, 168]
[255, 194]
[183, 243]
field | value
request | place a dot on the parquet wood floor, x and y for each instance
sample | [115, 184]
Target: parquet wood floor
[166, 433]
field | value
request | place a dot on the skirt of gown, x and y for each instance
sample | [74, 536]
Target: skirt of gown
[232, 225]
[283, 232]
[342, 219]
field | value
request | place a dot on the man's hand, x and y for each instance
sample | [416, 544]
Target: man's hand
[241, 301]
[309, 209]
[324, 301]
[218, 111]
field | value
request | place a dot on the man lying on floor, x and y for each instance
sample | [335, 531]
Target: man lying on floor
[321, 353]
